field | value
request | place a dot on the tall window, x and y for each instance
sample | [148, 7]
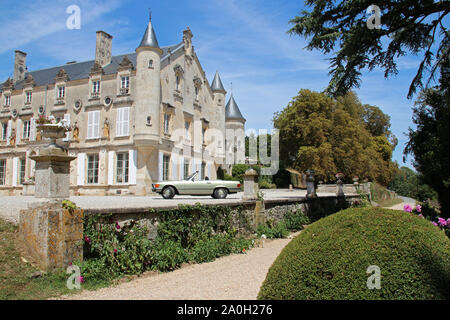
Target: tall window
[122, 168]
[93, 125]
[26, 129]
[7, 100]
[166, 122]
[125, 82]
[4, 130]
[123, 122]
[187, 126]
[92, 171]
[96, 86]
[203, 170]
[2, 172]
[166, 161]
[177, 82]
[28, 97]
[22, 171]
[186, 168]
[61, 92]
[196, 92]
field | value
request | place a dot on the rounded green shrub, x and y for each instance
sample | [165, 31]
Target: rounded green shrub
[330, 259]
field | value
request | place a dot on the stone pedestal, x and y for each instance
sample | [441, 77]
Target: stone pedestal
[310, 184]
[52, 174]
[28, 188]
[52, 236]
[340, 188]
[250, 185]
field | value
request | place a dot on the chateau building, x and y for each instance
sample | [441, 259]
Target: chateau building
[137, 118]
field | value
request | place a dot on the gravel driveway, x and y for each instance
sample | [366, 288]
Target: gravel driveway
[238, 276]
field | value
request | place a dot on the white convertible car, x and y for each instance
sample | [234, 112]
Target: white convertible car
[218, 189]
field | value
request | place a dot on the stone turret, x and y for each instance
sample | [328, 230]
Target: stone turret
[219, 93]
[234, 123]
[148, 87]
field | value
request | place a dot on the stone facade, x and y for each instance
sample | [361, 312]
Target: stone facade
[137, 118]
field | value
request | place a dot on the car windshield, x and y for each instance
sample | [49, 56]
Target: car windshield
[191, 177]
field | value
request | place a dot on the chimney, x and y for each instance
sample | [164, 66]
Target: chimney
[103, 48]
[20, 66]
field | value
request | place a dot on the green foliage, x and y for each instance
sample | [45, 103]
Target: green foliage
[296, 220]
[168, 255]
[282, 178]
[408, 183]
[332, 135]
[273, 230]
[117, 250]
[238, 172]
[380, 193]
[429, 142]
[264, 184]
[189, 233]
[220, 173]
[340, 29]
[329, 259]
[69, 205]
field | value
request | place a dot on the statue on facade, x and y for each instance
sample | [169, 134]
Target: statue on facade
[12, 139]
[106, 129]
[76, 132]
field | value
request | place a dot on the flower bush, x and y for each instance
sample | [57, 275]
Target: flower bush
[433, 218]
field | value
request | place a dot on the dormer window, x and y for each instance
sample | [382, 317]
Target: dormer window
[7, 100]
[28, 97]
[124, 84]
[95, 87]
[61, 93]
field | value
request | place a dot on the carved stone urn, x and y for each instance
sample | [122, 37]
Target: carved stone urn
[53, 132]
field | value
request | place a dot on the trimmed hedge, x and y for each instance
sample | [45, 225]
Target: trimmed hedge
[329, 259]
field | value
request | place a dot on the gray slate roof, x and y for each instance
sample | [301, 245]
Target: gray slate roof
[217, 84]
[81, 70]
[232, 111]
[149, 39]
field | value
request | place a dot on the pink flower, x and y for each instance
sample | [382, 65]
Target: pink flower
[117, 226]
[87, 240]
[442, 222]
[448, 223]
[81, 279]
[419, 208]
[70, 263]
[434, 223]
[115, 250]
[407, 208]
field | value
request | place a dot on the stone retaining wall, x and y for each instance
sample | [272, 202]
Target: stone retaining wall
[253, 212]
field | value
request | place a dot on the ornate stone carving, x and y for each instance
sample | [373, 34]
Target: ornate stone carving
[61, 76]
[29, 81]
[178, 70]
[8, 85]
[125, 65]
[96, 69]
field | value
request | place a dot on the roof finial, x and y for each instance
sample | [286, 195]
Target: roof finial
[149, 14]
[231, 84]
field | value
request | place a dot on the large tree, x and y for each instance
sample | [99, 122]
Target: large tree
[331, 135]
[430, 141]
[340, 28]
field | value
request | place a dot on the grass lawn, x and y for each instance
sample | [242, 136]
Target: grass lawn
[16, 282]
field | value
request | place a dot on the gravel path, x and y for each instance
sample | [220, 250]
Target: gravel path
[406, 201]
[238, 276]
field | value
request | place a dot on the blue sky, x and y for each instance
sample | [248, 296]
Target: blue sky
[245, 40]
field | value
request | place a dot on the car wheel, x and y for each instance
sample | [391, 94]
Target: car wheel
[220, 193]
[168, 193]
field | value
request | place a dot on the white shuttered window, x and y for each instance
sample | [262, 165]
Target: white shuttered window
[93, 125]
[123, 122]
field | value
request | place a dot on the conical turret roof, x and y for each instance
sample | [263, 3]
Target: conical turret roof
[149, 38]
[232, 111]
[217, 84]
